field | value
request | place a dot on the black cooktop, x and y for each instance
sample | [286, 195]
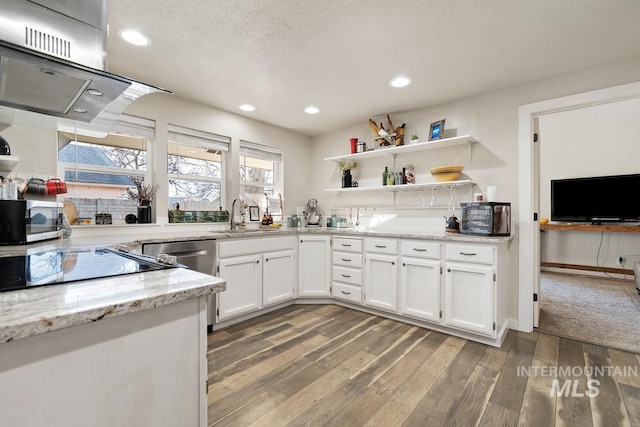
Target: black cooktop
[57, 266]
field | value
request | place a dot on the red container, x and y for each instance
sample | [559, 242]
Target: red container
[354, 142]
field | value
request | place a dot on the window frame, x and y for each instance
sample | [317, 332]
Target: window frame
[199, 139]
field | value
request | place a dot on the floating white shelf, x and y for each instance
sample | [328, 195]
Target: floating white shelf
[405, 187]
[7, 163]
[410, 148]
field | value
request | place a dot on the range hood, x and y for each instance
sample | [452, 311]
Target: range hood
[53, 61]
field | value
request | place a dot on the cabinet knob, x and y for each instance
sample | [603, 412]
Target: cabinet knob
[258, 262]
[404, 264]
[393, 263]
[448, 270]
[266, 259]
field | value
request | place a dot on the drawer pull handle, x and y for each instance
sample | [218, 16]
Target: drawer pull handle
[419, 250]
[346, 259]
[381, 246]
[346, 293]
[344, 244]
[468, 253]
[346, 275]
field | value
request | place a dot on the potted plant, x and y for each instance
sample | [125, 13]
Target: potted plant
[144, 194]
[415, 138]
[346, 167]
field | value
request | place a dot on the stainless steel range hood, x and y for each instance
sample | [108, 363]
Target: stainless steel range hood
[53, 60]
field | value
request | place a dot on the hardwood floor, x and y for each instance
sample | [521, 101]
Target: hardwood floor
[325, 365]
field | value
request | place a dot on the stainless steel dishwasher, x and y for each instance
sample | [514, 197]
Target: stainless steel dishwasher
[198, 255]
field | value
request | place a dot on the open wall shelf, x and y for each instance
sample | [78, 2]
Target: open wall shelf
[410, 148]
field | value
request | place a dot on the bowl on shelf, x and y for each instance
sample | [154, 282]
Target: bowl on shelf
[446, 173]
[83, 221]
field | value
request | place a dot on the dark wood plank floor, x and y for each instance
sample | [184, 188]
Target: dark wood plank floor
[325, 365]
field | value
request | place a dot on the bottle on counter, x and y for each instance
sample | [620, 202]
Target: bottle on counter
[404, 176]
[265, 218]
[385, 176]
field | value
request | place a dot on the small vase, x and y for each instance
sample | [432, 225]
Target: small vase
[144, 212]
[346, 178]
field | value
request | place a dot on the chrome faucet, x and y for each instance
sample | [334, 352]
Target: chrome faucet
[233, 214]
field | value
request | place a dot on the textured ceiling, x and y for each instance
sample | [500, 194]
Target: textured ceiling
[339, 55]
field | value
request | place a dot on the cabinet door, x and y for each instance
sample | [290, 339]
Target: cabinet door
[381, 282]
[314, 266]
[469, 297]
[278, 277]
[420, 288]
[244, 286]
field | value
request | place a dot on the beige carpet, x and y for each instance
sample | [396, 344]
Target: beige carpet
[599, 311]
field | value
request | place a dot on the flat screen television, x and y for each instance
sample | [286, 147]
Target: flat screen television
[596, 199]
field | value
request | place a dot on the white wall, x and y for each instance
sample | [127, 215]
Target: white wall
[593, 141]
[491, 118]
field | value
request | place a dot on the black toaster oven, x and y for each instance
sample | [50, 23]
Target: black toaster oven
[26, 221]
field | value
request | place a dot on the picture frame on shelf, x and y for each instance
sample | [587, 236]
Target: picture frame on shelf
[254, 213]
[436, 130]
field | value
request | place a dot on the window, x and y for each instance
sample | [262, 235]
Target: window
[99, 170]
[195, 167]
[260, 176]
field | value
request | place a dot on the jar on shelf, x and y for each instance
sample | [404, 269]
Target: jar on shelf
[409, 173]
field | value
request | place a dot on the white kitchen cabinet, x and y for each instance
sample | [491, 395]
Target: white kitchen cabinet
[259, 272]
[381, 273]
[470, 296]
[420, 284]
[347, 269]
[278, 277]
[244, 285]
[314, 266]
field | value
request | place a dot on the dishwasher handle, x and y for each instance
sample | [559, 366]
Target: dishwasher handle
[186, 254]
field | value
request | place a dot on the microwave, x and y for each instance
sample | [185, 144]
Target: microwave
[27, 221]
[485, 218]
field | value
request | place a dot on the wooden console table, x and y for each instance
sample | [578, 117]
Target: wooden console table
[590, 227]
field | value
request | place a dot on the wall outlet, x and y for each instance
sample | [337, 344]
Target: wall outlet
[620, 260]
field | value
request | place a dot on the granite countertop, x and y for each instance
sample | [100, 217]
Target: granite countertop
[43, 309]
[135, 243]
[35, 311]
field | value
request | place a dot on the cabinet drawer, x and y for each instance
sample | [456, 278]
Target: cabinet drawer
[382, 246]
[246, 246]
[347, 245]
[347, 259]
[347, 275]
[420, 249]
[347, 292]
[470, 253]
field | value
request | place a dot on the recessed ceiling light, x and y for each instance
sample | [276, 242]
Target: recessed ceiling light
[134, 37]
[400, 81]
[312, 110]
[247, 107]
